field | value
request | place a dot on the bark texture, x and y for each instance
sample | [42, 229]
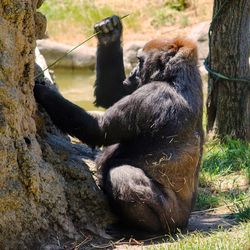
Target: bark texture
[46, 187]
[228, 103]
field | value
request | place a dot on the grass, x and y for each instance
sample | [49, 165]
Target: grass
[77, 12]
[225, 175]
[222, 158]
[73, 20]
[170, 13]
[237, 238]
[177, 4]
[164, 16]
[241, 210]
[209, 198]
[206, 199]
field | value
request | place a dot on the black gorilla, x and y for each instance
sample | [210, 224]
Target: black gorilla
[152, 128]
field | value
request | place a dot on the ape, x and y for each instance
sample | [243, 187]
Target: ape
[152, 128]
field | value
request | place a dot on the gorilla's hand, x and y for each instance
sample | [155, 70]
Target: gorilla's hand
[109, 30]
[40, 92]
[42, 88]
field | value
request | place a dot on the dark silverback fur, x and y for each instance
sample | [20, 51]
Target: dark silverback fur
[152, 129]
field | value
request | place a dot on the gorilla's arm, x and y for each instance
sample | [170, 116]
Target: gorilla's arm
[136, 114]
[94, 130]
[67, 116]
[110, 72]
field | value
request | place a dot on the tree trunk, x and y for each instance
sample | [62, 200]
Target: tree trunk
[46, 187]
[228, 105]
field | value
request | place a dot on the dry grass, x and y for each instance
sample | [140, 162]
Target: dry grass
[148, 18]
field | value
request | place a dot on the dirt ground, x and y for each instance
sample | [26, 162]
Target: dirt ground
[199, 221]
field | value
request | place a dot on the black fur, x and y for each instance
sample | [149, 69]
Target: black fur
[153, 122]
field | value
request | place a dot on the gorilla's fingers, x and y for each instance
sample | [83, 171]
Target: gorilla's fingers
[97, 27]
[109, 30]
[115, 20]
[103, 26]
[110, 25]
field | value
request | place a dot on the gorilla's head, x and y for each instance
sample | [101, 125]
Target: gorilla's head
[159, 59]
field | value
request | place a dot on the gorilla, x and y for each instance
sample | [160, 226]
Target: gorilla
[151, 132]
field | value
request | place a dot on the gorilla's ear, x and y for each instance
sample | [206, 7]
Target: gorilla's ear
[186, 49]
[161, 71]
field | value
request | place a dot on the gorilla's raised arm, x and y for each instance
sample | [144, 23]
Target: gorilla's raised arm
[109, 66]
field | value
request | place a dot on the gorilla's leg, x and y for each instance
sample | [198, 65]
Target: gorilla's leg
[135, 198]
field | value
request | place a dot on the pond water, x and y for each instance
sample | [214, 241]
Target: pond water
[77, 86]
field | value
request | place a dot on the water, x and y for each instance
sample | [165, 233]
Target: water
[77, 86]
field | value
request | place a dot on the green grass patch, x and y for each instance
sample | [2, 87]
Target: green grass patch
[237, 200]
[84, 13]
[80, 12]
[184, 21]
[163, 16]
[170, 13]
[222, 158]
[178, 5]
[241, 209]
[237, 238]
[243, 214]
[224, 175]
[206, 199]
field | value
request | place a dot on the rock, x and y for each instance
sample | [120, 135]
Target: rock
[40, 61]
[41, 24]
[46, 186]
[82, 58]
[199, 33]
[130, 54]
[52, 247]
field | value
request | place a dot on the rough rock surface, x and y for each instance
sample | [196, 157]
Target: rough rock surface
[46, 188]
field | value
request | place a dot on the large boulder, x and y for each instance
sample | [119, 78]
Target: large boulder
[130, 54]
[82, 58]
[199, 33]
[47, 188]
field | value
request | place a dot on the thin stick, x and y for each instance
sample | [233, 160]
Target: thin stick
[110, 244]
[71, 50]
[85, 241]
